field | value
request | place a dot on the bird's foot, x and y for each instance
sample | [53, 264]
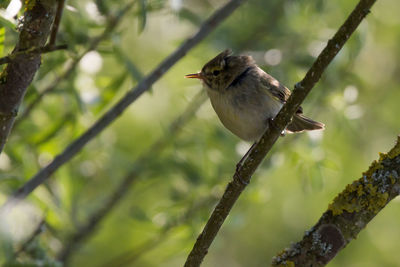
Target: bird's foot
[272, 124]
[240, 163]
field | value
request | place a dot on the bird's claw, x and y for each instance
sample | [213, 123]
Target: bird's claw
[272, 124]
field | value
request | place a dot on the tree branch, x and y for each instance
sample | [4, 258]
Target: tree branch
[39, 229]
[209, 25]
[106, 208]
[258, 151]
[57, 20]
[34, 50]
[348, 214]
[19, 73]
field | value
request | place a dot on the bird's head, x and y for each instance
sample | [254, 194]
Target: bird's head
[222, 70]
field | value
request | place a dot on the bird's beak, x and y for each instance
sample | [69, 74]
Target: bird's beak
[194, 76]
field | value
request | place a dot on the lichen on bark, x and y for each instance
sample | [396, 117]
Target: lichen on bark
[348, 213]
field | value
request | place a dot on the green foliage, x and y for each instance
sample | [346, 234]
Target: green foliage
[2, 37]
[4, 3]
[142, 14]
[176, 189]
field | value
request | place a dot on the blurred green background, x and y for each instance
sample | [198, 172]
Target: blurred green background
[180, 179]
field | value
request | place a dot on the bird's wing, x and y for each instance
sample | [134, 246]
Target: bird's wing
[275, 88]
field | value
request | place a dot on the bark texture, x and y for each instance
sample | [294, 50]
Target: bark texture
[348, 214]
[18, 74]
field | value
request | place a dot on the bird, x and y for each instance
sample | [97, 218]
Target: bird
[247, 99]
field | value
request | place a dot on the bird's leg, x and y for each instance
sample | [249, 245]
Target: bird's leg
[244, 158]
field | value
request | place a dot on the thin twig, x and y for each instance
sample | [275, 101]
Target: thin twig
[112, 22]
[39, 229]
[256, 154]
[348, 214]
[37, 50]
[208, 26]
[18, 74]
[85, 232]
[56, 22]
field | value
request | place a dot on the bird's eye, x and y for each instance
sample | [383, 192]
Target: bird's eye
[215, 72]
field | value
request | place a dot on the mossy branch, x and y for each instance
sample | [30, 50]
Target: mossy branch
[259, 150]
[32, 50]
[348, 214]
[18, 74]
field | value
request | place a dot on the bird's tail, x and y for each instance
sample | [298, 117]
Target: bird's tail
[301, 123]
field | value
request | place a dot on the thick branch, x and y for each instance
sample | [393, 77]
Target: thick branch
[257, 152]
[19, 73]
[348, 214]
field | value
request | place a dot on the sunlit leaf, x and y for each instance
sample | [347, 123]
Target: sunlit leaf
[2, 38]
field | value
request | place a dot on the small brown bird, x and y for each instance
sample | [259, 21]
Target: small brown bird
[245, 98]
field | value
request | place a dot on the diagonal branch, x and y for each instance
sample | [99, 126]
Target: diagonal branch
[18, 74]
[210, 24]
[117, 195]
[38, 230]
[258, 151]
[348, 214]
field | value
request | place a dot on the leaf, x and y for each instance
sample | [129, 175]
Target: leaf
[110, 91]
[133, 70]
[142, 14]
[139, 214]
[188, 15]
[4, 3]
[54, 129]
[2, 37]
[79, 101]
[7, 23]
[102, 7]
